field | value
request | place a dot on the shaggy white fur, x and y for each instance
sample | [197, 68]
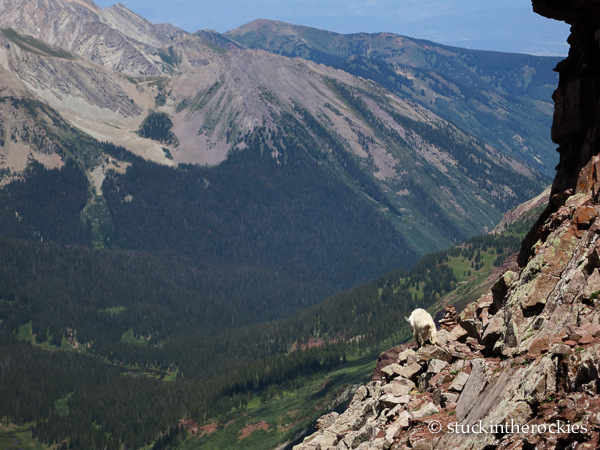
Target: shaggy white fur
[422, 326]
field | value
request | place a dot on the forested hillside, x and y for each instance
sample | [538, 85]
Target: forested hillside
[143, 319]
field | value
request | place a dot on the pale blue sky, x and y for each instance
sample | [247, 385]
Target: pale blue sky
[506, 25]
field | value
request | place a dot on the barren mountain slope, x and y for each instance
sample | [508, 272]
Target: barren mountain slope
[114, 37]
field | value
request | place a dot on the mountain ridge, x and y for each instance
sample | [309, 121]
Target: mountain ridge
[455, 83]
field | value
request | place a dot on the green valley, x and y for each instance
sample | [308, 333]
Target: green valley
[283, 374]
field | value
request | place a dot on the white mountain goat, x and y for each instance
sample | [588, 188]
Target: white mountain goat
[422, 326]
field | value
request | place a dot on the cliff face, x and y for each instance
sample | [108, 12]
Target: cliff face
[576, 116]
[520, 368]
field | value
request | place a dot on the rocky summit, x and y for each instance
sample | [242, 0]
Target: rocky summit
[520, 367]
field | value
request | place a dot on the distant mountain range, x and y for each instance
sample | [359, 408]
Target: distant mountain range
[509, 26]
[446, 141]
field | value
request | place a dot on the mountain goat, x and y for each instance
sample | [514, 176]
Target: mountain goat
[422, 326]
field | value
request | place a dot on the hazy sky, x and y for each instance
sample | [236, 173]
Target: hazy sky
[505, 25]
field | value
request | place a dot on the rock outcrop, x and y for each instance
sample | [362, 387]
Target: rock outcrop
[576, 114]
[520, 368]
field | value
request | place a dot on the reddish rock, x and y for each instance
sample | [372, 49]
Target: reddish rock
[445, 380]
[520, 360]
[484, 316]
[459, 382]
[568, 414]
[560, 349]
[435, 379]
[389, 357]
[485, 302]
[592, 285]
[416, 403]
[584, 216]
[587, 339]
[411, 371]
[571, 343]
[458, 333]
[575, 333]
[429, 352]
[493, 332]
[539, 346]
[450, 318]
[562, 253]
[473, 344]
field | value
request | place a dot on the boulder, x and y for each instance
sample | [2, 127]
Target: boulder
[437, 397]
[424, 381]
[423, 444]
[391, 371]
[539, 346]
[360, 394]
[584, 216]
[469, 322]
[500, 290]
[436, 366]
[536, 297]
[459, 365]
[458, 334]
[459, 382]
[592, 285]
[403, 357]
[492, 332]
[430, 352]
[471, 390]
[398, 386]
[410, 371]
[354, 439]
[448, 398]
[427, 409]
[391, 401]
[396, 427]
[326, 420]
[389, 357]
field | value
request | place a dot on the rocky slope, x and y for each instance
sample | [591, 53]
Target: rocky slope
[519, 368]
[524, 210]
